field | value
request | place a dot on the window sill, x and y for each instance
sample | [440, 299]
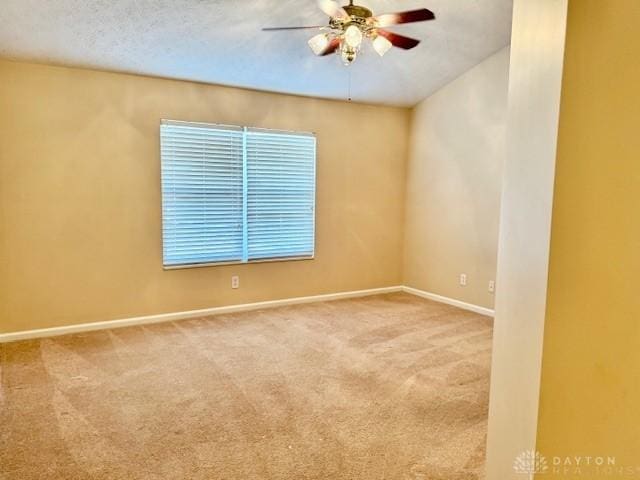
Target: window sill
[221, 264]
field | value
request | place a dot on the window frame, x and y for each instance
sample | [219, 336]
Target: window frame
[245, 130]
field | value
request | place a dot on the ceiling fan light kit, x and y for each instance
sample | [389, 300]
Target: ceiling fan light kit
[351, 24]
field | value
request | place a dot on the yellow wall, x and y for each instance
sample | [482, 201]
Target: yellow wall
[80, 223]
[590, 394]
[454, 179]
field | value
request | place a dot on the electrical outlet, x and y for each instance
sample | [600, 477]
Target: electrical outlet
[463, 279]
[492, 286]
[235, 281]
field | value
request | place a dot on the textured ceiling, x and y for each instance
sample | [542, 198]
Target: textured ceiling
[219, 41]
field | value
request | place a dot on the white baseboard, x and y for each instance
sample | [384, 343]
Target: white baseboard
[167, 317]
[449, 301]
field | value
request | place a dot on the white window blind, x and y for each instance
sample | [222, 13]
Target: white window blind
[233, 194]
[281, 194]
[202, 193]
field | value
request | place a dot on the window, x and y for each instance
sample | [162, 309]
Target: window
[236, 194]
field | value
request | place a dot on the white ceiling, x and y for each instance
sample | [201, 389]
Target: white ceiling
[219, 41]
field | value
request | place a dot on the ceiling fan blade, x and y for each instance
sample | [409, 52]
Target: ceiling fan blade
[399, 41]
[410, 16]
[332, 8]
[273, 29]
[333, 45]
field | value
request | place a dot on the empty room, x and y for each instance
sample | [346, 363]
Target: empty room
[317, 239]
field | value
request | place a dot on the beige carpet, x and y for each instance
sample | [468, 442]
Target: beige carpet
[384, 387]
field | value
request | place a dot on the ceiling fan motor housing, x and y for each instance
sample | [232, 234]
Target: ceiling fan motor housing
[357, 11]
[357, 15]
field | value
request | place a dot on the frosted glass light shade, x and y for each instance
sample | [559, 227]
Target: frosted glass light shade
[319, 43]
[353, 36]
[381, 45]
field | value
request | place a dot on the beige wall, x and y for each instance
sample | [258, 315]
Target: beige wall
[454, 176]
[537, 48]
[590, 390]
[80, 196]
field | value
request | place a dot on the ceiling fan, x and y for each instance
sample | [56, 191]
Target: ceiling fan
[349, 25]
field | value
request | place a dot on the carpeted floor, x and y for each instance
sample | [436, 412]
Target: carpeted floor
[383, 387]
